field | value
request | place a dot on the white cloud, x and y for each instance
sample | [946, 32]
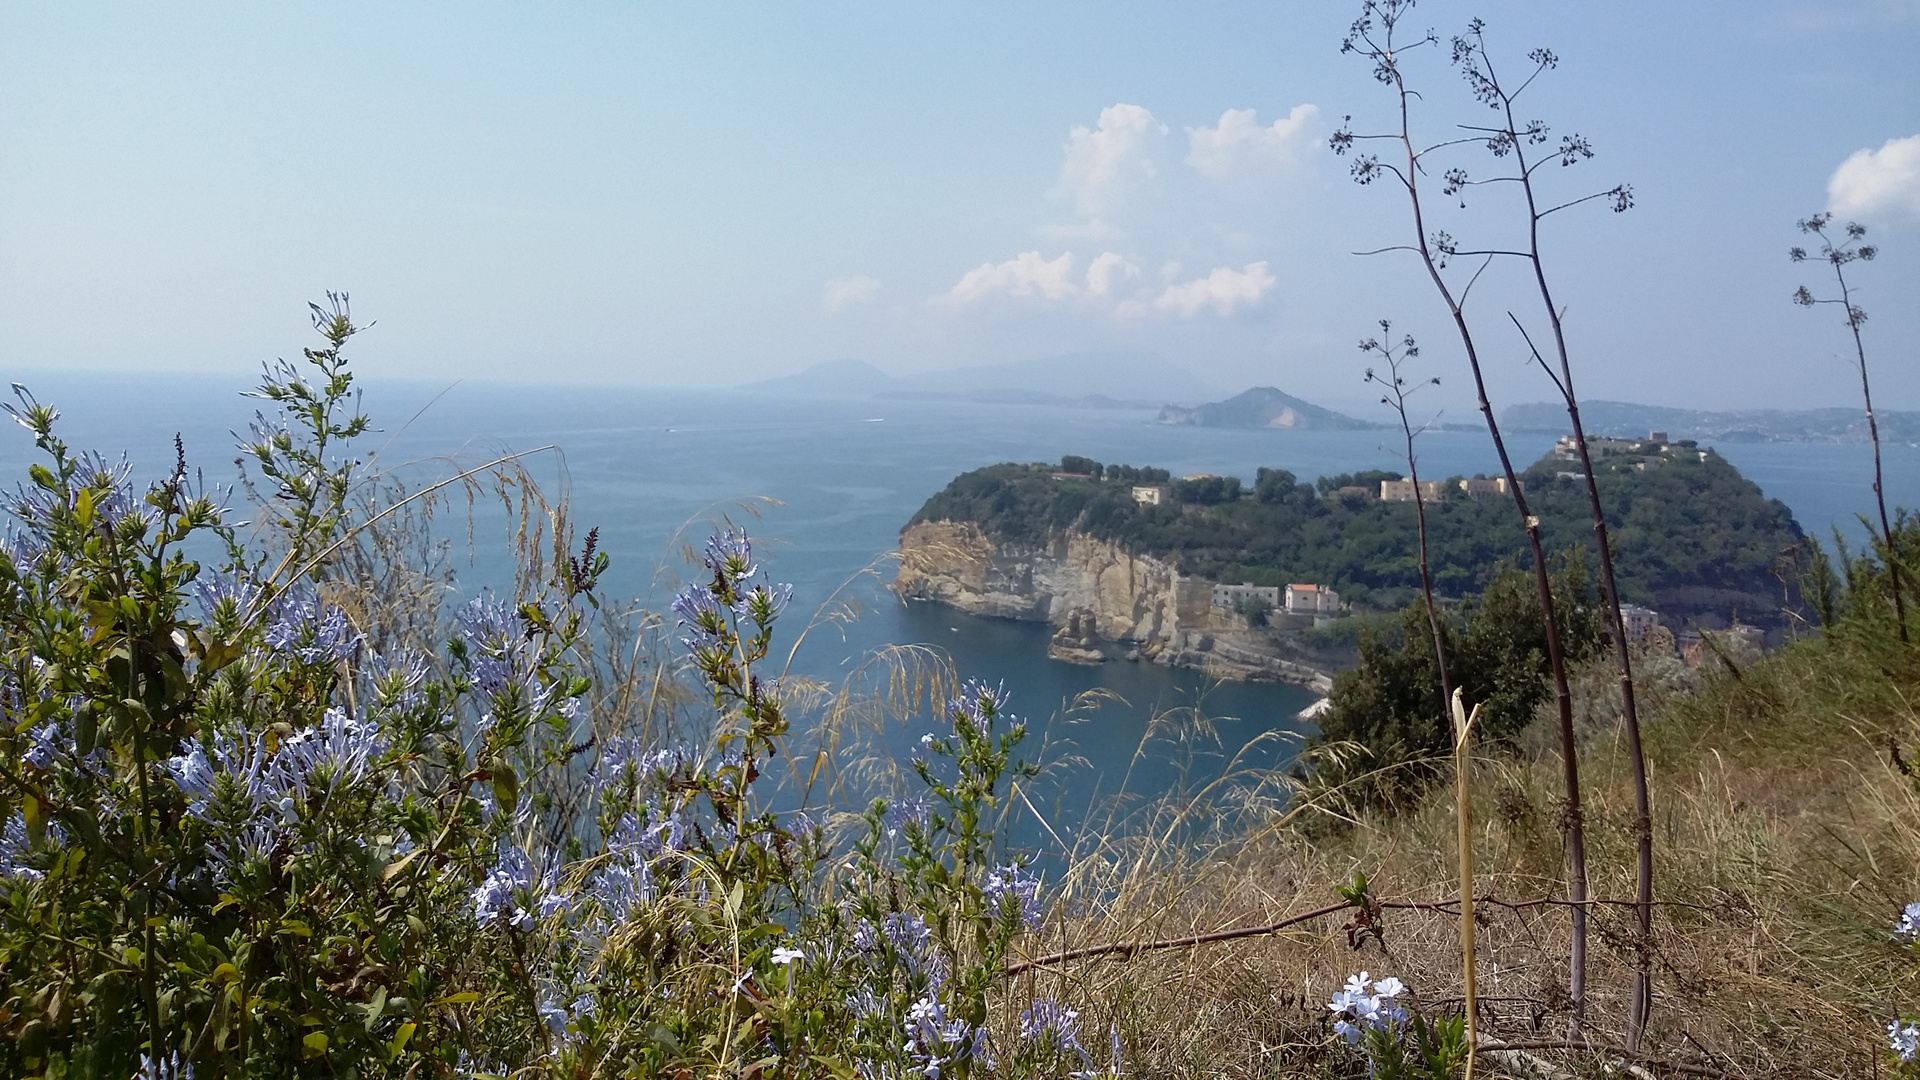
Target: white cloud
[1026, 274]
[1223, 290]
[1881, 184]
[1238, 146]
[1101, 161]
[1104, 269]
[845, 291]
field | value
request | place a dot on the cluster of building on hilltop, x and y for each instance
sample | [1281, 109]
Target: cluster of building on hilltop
[1649, 452]
[1478, 487]
[1293, 600]
[1695, 646]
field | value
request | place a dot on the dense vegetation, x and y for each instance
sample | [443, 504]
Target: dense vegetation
[1692, 536]
[277, 814]
[1389, 707]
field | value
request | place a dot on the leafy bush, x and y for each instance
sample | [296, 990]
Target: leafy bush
[1389, 705]
[241, 839]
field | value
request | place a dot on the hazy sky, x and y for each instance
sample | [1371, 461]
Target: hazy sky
[704, 194]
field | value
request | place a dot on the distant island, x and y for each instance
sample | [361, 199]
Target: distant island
[1263, 407]
[1623, 419]
[1694, 539]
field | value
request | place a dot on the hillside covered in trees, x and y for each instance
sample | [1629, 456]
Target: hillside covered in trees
[1694, 539]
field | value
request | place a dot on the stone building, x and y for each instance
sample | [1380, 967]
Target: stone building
[1312, 600]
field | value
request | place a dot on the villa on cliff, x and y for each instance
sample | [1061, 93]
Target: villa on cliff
[1312, 600]
[1225, 596]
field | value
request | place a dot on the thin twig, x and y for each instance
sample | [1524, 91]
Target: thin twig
[1130, 949]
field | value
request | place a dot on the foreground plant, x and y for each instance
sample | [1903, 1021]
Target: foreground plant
[1839, 256]
[238, 840]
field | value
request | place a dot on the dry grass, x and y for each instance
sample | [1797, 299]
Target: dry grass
[1787, 841]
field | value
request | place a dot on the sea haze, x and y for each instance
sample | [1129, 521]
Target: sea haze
[832, 480]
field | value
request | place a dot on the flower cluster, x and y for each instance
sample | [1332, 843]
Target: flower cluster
[15, 847]
[1054, 1027]
[1365, 1005]
[978, 705]
[1908, 928]
[513, 894]
[224, 598]
[309, 629]
[1011, 888]
[939, 1041]
[1903, 1040]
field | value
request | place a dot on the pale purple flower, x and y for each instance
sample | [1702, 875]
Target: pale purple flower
[764, 603]
[699, 612]
[14, 848]
[1011, 888]
[311, 630]
[507, 896]
[902, 813]
[396, 680]
[224, 596]
[938, 1042]
[1052, 1026]
[1909, 925]
[730, 553]
[170, 1067]
[1363, 1005]
[1903, 1040]
[978, 705]
[488, 624]
[342, 746]
[49, 746]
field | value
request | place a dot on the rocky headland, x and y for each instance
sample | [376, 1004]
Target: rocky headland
[1106, 602]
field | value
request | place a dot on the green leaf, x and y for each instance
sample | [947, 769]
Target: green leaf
[465, 997]
[36, 815]
[400, 1039]
[315, 1042]
[506, 788]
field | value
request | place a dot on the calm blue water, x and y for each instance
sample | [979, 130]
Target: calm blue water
[651, 467]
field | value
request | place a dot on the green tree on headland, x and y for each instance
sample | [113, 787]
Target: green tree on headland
[1693, 538]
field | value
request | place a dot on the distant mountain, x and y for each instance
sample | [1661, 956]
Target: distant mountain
[838, 378]
[1116, 378]
[1627, 420]
[1263, 407]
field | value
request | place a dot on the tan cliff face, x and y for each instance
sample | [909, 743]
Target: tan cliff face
[1129, 598]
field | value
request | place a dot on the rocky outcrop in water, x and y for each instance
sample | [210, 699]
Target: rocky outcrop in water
[1094, 591]
[1076, 642]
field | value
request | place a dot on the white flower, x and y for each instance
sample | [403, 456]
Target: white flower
[1389, 987]
[783, 955]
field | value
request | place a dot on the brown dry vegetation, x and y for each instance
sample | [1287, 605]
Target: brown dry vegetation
[1787, 840]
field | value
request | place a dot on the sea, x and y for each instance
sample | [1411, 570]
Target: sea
[824, 486]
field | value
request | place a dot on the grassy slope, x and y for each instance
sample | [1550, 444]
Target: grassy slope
[1787, 842]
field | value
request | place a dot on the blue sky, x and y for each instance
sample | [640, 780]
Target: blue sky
[705, 194]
